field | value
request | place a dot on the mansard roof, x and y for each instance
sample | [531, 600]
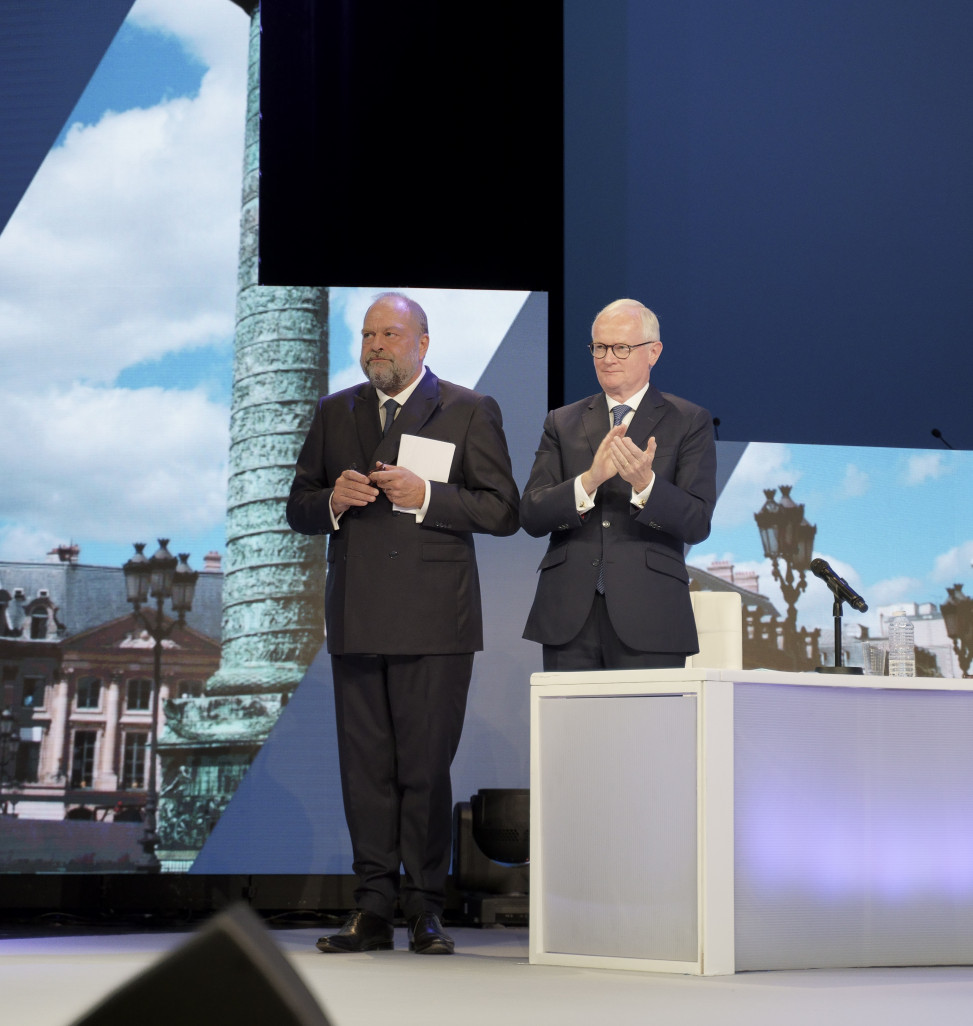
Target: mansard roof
[87, 596]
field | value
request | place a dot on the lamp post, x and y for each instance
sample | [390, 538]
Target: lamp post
[161, 577]
[8, 747]
[957, 613]
[786, 535]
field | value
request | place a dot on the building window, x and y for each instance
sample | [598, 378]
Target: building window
[138, 697]
[190, 689]
[89, 693]
[83, 758]
[38, 624]
[28, 761]
[9, 674]
[32, 693]
[133, 761]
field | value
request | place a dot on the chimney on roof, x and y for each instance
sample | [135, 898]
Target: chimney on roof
[64, 554]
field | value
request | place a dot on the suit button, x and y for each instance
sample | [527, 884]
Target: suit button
[606, 523]
[595, 562]
[392, 555]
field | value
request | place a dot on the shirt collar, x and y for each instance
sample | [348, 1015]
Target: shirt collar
[632, 401]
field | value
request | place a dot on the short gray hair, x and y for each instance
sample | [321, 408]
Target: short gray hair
[650, 323]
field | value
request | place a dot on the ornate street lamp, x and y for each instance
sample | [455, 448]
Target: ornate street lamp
[957, 613]
[161, 577]
[787, 536]
[9, 740]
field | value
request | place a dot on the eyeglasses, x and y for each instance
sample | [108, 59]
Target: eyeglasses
[620, 350]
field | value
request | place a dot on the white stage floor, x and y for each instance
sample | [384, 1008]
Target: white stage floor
[49, 976]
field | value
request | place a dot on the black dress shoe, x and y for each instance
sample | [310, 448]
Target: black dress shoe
[363, 931]
[427, 936]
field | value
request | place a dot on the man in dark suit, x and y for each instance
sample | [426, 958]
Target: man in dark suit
[402, 607]
[622, 481]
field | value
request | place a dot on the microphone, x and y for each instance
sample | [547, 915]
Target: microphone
[841, 588]
[936, 433]
[716, 427]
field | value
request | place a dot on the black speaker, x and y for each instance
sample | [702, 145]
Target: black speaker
[228, 972]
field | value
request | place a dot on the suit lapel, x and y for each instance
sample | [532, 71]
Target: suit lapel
[367, 424]
[595, 421]
[651, 410]
[420, 407]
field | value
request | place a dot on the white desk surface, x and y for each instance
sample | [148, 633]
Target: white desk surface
[698, 674]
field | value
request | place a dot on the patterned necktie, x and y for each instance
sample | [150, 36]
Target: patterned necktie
[619, 413]
[390, 406]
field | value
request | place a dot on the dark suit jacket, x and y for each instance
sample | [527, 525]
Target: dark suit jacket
[646, 583]
[395, 587]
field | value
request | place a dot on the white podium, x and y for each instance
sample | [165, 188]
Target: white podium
[714, 821]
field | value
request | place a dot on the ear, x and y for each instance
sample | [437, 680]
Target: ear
[655, 351]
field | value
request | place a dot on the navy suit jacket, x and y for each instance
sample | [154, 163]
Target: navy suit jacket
[646, 582]
[395, 587]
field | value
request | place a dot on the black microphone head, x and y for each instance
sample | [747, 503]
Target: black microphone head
[819, 567]
[936, 433]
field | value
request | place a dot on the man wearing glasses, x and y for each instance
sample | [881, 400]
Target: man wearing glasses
[622, 481]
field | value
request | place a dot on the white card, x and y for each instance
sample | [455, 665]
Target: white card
[429, 458]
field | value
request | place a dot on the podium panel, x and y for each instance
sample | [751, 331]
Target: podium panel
[620, 864]
[711, 821]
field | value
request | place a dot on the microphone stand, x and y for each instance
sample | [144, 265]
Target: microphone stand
[838, 668]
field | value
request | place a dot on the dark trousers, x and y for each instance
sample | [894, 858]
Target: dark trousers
[597, 647]
[399, 722]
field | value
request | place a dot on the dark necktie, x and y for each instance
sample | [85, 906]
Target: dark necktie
[390, 406]
[619, 413]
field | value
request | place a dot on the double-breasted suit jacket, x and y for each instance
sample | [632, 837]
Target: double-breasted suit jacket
[646, 582]
[395, 587]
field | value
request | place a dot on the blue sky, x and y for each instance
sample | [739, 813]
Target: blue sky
[141, 68]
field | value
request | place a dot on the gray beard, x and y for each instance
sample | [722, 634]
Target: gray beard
[388, 379]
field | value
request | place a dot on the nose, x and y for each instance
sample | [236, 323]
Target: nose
[610, 356]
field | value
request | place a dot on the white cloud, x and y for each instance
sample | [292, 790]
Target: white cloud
[104, 464]
[211, 30]
[924, 467]
[18, 542]
[856, 482]
[125, 245]
[465, 328]
[124, 249]
[953, 566]
[894, 590]
[763, 465]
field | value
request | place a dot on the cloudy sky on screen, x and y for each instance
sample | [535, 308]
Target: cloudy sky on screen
[894, 523]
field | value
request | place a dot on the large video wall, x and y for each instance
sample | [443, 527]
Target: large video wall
[119, 306]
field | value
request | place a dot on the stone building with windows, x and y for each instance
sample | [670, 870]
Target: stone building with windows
[76, 678]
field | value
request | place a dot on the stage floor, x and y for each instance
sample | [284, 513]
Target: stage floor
[51, 975]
